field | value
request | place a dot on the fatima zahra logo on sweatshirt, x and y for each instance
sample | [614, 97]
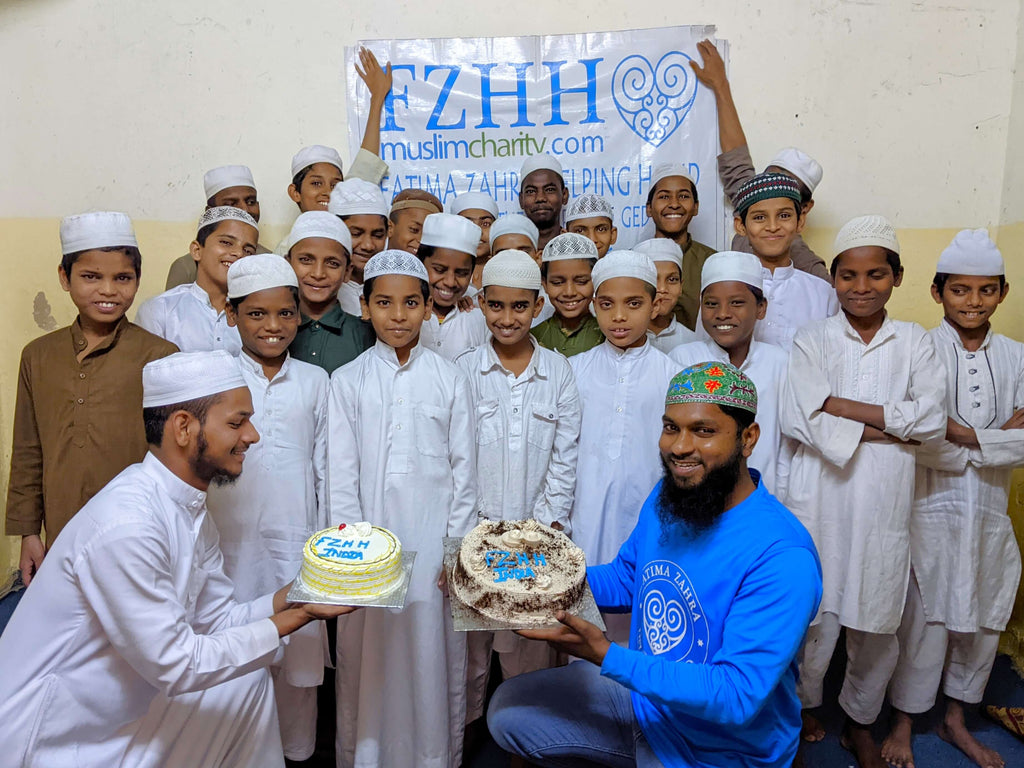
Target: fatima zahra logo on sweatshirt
[671, 616]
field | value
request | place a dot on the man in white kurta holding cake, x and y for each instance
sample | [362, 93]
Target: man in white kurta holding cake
[129, 648]
[402, 455]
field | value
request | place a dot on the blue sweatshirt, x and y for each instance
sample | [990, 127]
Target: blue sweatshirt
[717, 621]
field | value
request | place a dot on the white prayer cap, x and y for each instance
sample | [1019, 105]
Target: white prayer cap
[355, 196]
[732, 266]
[543, 162]
[867, 230]
[468, 201]
[625, 264]
[102, 229]
[661, 249]
[394, 262]
[514, 224]
[664, 170]
[319, 224]
[446, 230]
[511, 269]
[260, 272]
[315, 153]
[219, 179]
[800, 164]
[569, 245]
[589, 206]
[225, 213]
[186, 376]
[972, 252]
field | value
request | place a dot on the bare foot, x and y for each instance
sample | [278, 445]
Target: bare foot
[858, 739]
[811, 728]
[896, 749]
[954, 730]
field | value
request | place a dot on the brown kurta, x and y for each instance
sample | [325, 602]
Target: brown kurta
[688, 307]
[735, 168]
[76, 424]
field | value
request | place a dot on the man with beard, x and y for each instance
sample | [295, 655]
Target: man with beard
[128, 648]
[542, 194]
[722, 582]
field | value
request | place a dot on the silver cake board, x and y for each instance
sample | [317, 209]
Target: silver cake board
[467, 619]
[299, 593]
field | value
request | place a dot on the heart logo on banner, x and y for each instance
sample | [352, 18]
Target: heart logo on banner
[654, 100]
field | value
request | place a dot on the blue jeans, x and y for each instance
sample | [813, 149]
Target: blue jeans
[569, 717]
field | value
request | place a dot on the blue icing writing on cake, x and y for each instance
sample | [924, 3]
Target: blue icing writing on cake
[330, 545]
[514, 565]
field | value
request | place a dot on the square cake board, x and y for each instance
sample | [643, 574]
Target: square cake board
[467, 619]
[393, 599]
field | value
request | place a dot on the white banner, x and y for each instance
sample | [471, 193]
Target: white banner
[464, 113]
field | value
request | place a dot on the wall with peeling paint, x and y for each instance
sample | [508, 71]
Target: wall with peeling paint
[910, 107]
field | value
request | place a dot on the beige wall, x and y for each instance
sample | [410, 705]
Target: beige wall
[909, 107]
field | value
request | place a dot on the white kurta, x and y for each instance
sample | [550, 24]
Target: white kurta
[131, 602]
[185, 316]
[855, 498]
[622, 394]
[674, 335]
[459, 331]
[795, 299]
[348, 296]
[527, 435]
[265, 517]
[963, 548]
[765, 365]
[402, 455]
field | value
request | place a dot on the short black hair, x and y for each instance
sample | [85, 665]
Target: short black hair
[741, 416]
[544, 267]
[796, 206]
[67, 261]
[368, 288]
[155, 418]
[891, 257]
[758, 293]
[941, 278]
[653, 189]
[237, 301]
[424, 252]
[204, 232]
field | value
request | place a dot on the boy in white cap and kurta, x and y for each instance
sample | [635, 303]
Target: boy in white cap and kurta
[482, 210]
[542, 194]
[226, 185]
[860, 393]
[732, 305]
[402, 454]
[318, 249]
[527, 430]
[665, 331]
[193, 315]
[447, 249]
[281, 500]
[622, 386]
[515, 232]
[593, 217]
[78, 413]
[735, 166]
[566, 274]
[768, 212]
[672, 203]
[131, 649]
[965, 564]
[362, 207]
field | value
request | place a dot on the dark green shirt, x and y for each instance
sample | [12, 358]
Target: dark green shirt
[333, 340]
[552, 335]
[688, 307]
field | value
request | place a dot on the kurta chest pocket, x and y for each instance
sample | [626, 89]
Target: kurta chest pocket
[432, 431]
[490, 424]
[543, 420]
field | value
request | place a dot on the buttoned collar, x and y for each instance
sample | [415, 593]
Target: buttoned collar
[950, 333]
[189, 498]
[617, 353]
[885, 332]
[333, 318]
[256, 368]
[79, 342]
[388, 355]
[537, 366]
[204, 298]
[780, 273]
[722, 355]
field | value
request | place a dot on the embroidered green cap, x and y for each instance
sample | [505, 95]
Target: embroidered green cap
[715, 383]
[766, 186]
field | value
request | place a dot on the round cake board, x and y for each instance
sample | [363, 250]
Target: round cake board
[393, 599]
[467, 619]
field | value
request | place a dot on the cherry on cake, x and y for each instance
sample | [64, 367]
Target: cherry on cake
[518, 572]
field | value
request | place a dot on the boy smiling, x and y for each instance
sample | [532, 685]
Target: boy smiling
[566, 276]
[362, 207]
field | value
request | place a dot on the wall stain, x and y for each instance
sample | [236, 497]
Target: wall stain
[41, 313]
